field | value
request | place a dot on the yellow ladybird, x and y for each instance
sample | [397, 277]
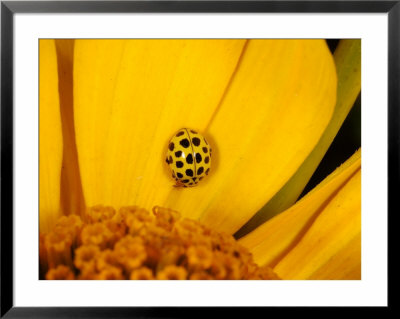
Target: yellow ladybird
[189, 157]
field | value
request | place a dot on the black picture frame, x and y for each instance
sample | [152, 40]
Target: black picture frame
[9, 8]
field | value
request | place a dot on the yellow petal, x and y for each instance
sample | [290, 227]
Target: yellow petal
[337, 225]
[271, 241]
[269, 98]
[348, 65]
[345, 265]
[277, 106]
[50, 136]
[130, 97]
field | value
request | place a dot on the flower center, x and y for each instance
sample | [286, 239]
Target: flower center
[133, 243]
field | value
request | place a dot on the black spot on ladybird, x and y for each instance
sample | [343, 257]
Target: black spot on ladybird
[198, 158]
[189, 172]
[200, 170]
[196, 141]
[206, 160]
[190, 183]
[194, 179]
[205, 149]
[185, 143]
[178, 153]
[179, 175]
[185, 181]
[167, 160]
[180, 133]
[171, 146]
[189, 159]
[170, 160]
[179, 164]
[194, 132]
[205, 141]
[208, 169]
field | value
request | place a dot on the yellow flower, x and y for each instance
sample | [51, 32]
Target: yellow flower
[269, 109]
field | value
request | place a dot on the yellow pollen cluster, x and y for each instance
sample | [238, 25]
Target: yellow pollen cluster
[132, 243]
